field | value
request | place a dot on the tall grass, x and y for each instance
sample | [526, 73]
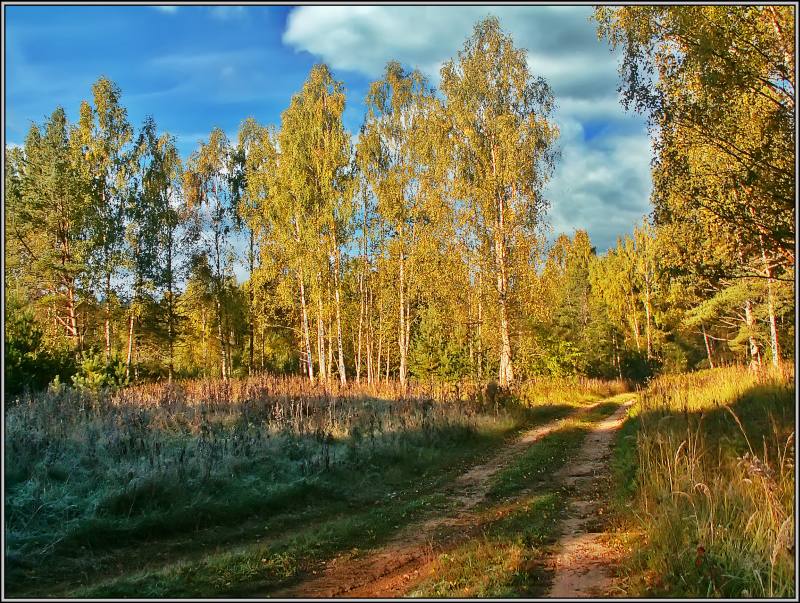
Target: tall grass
[583, 389]
[105, 469]
[714, 491]
[71, 455]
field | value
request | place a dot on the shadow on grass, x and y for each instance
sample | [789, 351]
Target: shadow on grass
[679, 559]
[382, 473]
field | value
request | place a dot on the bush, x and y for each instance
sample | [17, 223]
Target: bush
[28, 365]
[95, 373]
[637, 367]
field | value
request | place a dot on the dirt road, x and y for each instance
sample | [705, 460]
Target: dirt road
[583, 561]
[402, 562]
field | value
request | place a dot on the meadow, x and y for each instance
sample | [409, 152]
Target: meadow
[105, 486]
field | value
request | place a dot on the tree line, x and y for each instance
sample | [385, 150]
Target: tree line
[417, 250]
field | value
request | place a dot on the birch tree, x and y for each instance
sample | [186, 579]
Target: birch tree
[390, 155]
[502, 141]
[313, 179]
[207, 185]
[104, 133]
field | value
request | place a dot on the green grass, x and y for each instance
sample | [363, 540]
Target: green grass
[184, 489]
[127, 492]
[341, 489]
[258, 567]
[505, 559]
[551, 452]
[704, 470]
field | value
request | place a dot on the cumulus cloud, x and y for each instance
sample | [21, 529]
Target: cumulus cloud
[602, 185]
[603, 180]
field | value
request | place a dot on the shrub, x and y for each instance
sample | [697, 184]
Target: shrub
[28, 364]
[95, 373]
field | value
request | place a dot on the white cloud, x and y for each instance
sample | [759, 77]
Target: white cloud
[602, 185]
[195, 61]
[602, 182]
[169, 10]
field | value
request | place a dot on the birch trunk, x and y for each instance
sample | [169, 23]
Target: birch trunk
[380, 339]
[480, 322]
[306, 330]
[250, 320]
[107, 328]
[635, 324]
[171, 315]
[130, 347]
[330, 350]
[370, 339]
[321, 341]
[755, 354]
[647, 323]
[773, 325]
[506, 376]
[401, 335]
[342, 369]
[360, 326]
[221, 338]
[205, 346]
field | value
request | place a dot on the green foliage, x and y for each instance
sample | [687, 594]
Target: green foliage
[636, 366]
[435, 355]
[718, 86]
[112, 242]
[95, 373]
[29, 364]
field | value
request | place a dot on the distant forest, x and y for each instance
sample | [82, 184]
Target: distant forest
[417, 251]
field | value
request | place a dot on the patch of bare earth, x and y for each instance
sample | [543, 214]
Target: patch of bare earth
[583, 561]
[407, 558]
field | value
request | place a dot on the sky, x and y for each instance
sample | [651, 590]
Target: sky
[194, 68]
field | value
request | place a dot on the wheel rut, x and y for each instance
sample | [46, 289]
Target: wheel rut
[583, 563]
[407, 557]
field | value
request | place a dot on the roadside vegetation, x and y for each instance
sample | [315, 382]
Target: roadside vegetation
[518, 524]
[705, 477]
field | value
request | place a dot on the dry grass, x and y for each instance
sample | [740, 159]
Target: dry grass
[95, 471]
[715, 485]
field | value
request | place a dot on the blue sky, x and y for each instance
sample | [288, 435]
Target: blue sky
[196, 67]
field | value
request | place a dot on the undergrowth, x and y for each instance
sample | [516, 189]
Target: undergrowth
[90, 473]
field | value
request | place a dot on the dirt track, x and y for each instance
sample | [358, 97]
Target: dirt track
[583, 562]
[407, 558]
